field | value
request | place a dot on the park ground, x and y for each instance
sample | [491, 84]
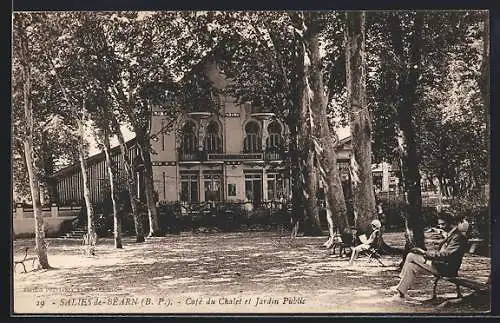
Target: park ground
[245, 272]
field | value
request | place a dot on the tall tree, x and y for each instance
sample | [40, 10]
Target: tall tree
[79, 88]
[95, 53]
[324, 138]
[426, 101]
[314, 29]
[79, 117]
[117, 221]
[307, 162]
[152, 52]
[91, 235]
[23, 32]
[273, 44]
[130, 39]
[406, 126]
[361, 123]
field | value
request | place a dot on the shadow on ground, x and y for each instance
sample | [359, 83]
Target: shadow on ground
[229, 265]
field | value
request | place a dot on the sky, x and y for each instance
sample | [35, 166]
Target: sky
[93, 150]
[343, 132]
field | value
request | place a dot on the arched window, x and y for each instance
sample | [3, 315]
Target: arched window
[274, 140]
[213, 142]
[252, 138]
[189, 138]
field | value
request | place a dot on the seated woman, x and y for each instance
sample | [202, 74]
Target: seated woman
[372, 242]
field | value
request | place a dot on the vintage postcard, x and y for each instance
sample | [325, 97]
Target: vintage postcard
[250, 162]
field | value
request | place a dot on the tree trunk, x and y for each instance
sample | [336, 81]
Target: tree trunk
[484, 83]
[326, 140]
[314, 224]
[48, 167]
[297, 183]
[310, 179]
[143, 145]
[314, 228]
[131, 182]
[406, 119]
[361, 124]
[86, 184]
[117, 221]
[41, 246]
[295, 124]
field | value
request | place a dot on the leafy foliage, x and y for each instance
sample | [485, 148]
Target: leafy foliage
[53, 138]
[129, 61]
[451, 119]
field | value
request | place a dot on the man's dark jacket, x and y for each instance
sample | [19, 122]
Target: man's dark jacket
[448, 258]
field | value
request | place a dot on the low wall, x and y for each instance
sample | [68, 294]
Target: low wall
[54, 218]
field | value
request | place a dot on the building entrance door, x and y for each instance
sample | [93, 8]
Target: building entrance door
[253, 188]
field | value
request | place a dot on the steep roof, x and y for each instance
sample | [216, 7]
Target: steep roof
[344, 142]
[92, 160]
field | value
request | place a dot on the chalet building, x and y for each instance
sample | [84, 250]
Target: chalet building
[188, 174]
[225, 152]
[192, 176]
[217, 151]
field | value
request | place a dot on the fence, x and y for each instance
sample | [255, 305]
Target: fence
[54, 217]
[54, 211]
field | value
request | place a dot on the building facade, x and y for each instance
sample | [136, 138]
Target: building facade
[232, 152]
[228, 152]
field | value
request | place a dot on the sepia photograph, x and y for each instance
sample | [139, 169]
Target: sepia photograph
[250, 162]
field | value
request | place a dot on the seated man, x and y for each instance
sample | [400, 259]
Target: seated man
[372, 242]
[446, 261]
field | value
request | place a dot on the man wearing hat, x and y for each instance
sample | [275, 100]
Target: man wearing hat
[445, 261]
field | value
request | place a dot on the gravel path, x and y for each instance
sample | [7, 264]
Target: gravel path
[251, 272]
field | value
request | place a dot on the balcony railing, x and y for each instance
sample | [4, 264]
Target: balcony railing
[241, 156]
[191, 156]
[270, 155]
[274, 155]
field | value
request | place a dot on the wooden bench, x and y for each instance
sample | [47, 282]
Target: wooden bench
[458, 281]
[25, 259]
[475, 243]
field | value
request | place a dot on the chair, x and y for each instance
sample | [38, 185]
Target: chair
[344, 242]
[374, 252]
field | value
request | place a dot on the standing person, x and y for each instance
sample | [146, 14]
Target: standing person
[446, 261]
[381, 216]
